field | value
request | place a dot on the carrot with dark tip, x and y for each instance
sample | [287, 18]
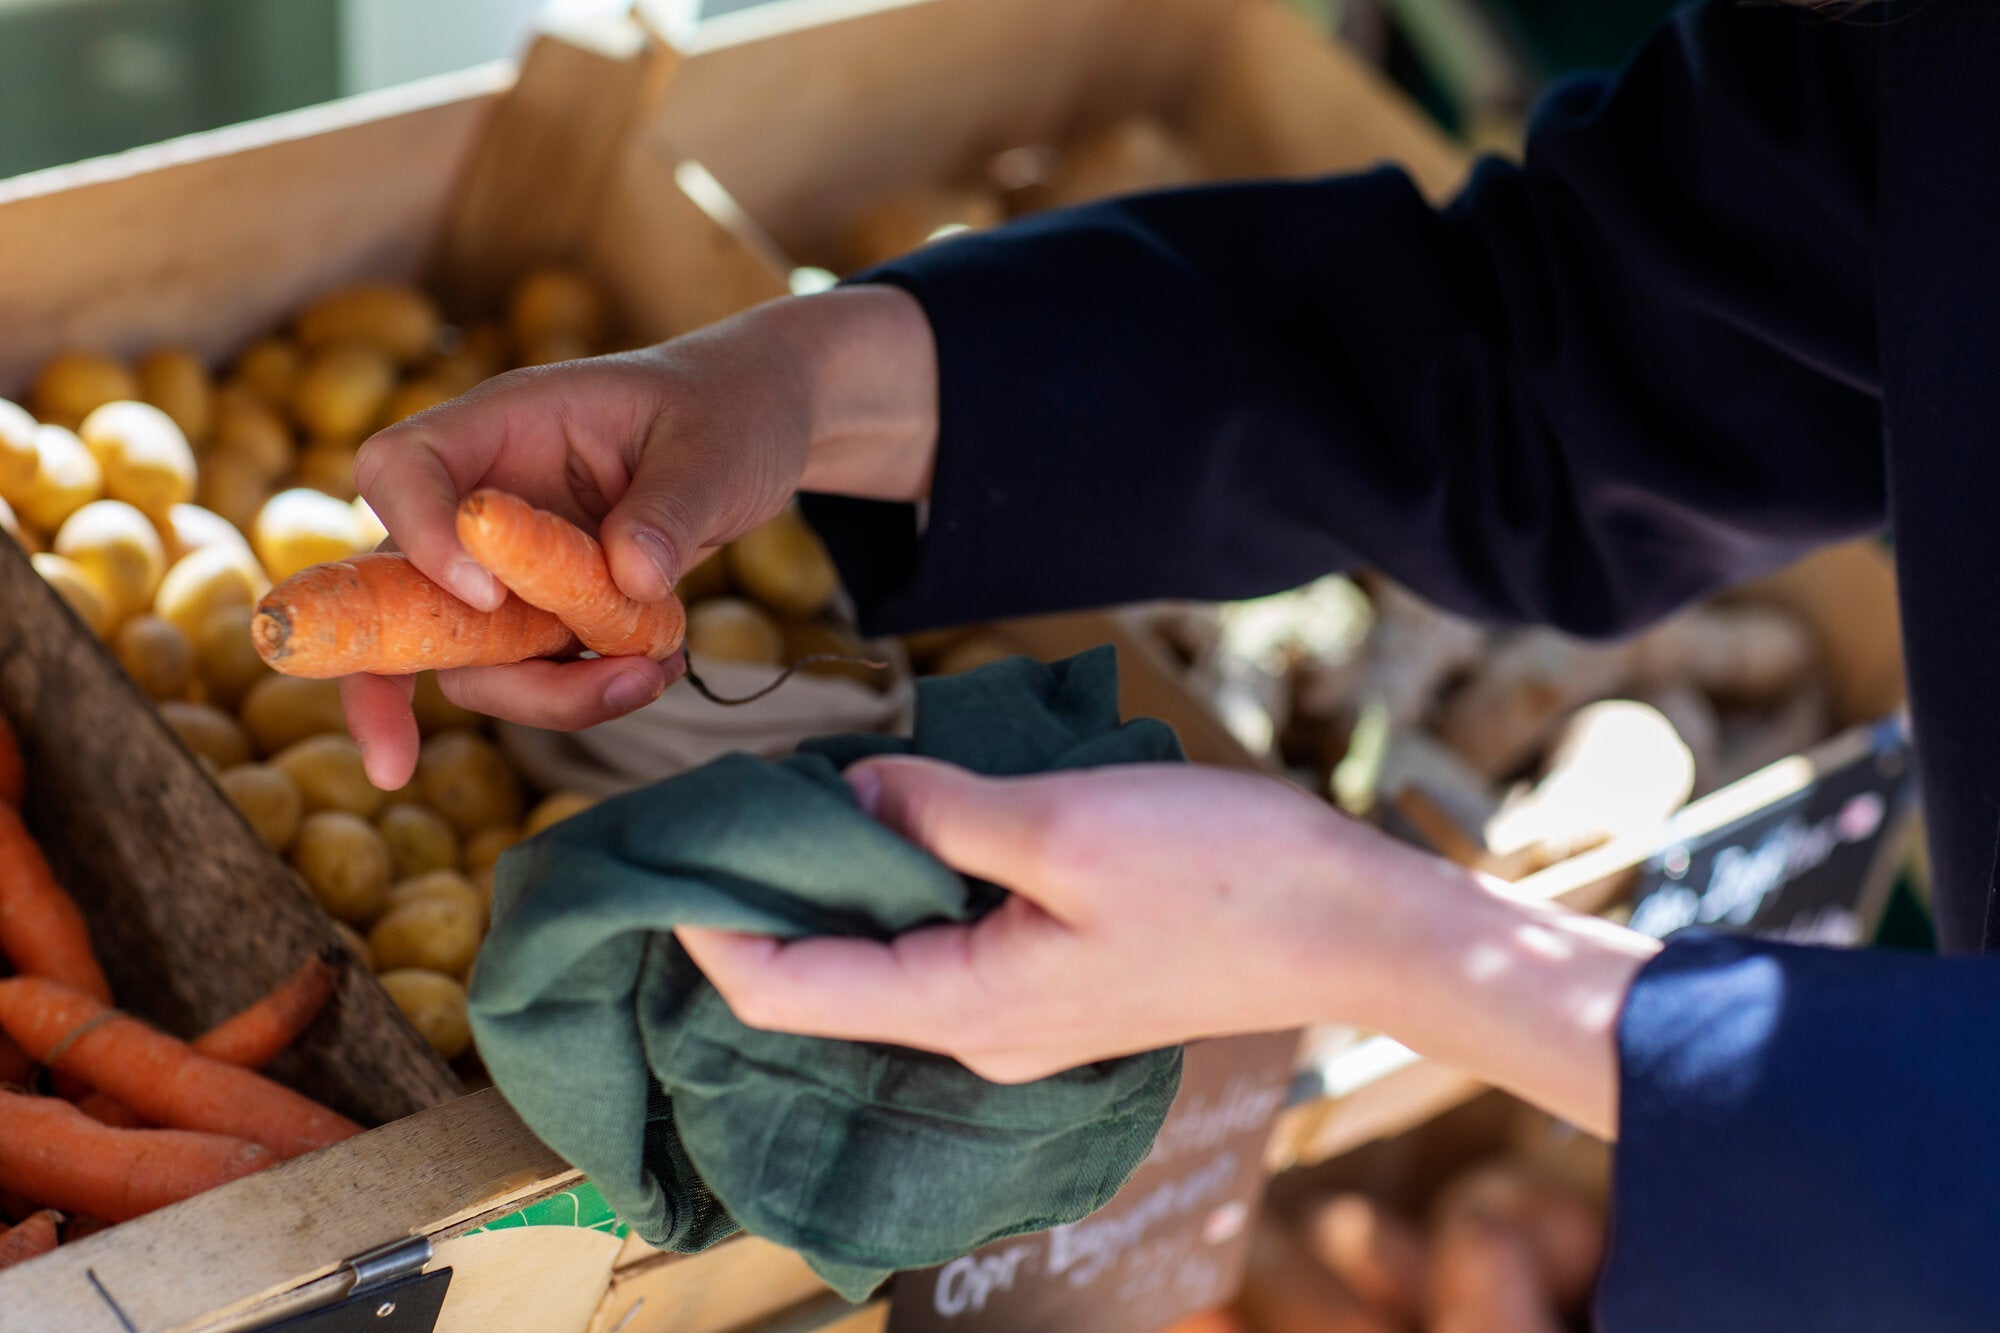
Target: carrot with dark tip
[41, 928]
[160, 1077]
[30, 1239]
[379, 614]
[53, 1152]
[549, 562]
[13, 773]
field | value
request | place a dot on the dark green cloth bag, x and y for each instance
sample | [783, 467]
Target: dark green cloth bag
[865, 1158]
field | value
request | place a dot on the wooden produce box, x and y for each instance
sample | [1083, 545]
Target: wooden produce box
[465, 181]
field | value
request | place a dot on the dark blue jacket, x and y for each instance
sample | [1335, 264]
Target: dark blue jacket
[1740, 301]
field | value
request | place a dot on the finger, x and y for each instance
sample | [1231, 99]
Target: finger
[672, 512]
[403, 475]
[561, 696]
[922, 989]
[993, 829]
[383, 725]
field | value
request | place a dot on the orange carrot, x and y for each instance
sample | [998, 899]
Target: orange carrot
[13, 773]
[378, 613]
[550, 562]
[158, 1076]
[31, 1239]
[53, 1152]
[41, 928]
[254, 1037]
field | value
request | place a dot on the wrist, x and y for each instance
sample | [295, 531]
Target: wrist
[867, 364]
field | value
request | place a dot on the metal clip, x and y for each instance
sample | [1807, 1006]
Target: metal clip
[388, 1263]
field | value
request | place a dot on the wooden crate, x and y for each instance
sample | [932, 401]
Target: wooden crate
[463, 181]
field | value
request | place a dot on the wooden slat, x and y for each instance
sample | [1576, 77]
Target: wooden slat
[212, 239]
[223, 1252]
[529, 191]
[192, 914]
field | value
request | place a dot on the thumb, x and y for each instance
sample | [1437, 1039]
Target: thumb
[679, 506]
[990, 828]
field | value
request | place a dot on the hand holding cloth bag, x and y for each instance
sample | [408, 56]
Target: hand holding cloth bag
[865, 1158]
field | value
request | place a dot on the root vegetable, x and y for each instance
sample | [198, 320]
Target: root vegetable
[329, 774]
[205, 581]
[267, 798]
[328, 467]
[85, 596]
[377, 613]
[120, 549]
[345, 863]
[270, 368]
[174, 380]
[435, 1005]
[342, 390]
[734, 630]
[465, 779]
[56, 1153]
[784, 566]
[395, 320]
[280, 711]
[710, 578]
[300, 528]
[147, 461]
[483, 848]
[253, 1037]
[226, 658]
[207, 730]
[232, 488]
[74, 384]
[554, 810]
[19, 463]
[67, 478]
[550, 563]
[440, 886]
[438, 933]
[968, 654]
[156, 655]
[250, 431]
[420, 840]
[190, 527]
[555, 302]
[355, 943]
[42, 931]
[434, 711]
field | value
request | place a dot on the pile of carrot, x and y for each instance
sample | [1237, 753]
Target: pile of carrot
[379, 614]
[155, 1119]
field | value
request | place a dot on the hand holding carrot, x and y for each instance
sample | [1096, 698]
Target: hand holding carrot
[664, 455]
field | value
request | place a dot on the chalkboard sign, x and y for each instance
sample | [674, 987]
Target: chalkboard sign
[1173, 1242]
[1814, 865]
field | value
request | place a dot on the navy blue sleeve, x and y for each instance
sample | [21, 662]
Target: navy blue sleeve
[1597, 385]
[1806, 1141]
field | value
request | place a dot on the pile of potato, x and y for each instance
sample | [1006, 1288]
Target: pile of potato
[1506, 750]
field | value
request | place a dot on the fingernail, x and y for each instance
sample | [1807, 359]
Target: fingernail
[631, 689]
[471, 582]
[867, 786]
[659, 553]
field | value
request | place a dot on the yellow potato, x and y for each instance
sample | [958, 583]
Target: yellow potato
[190, 527]
[232, 488]
[464, 778]
[436, 934]
[435, 1005]
[120, 549]
[75, 586]
[75, 384]
[280, 711]
[205, 581]
[976, 651]
[480, 355]
[555, 302]
[784, 566]
[226, 657]
[710, 578]
[372, 530]
[68, 479]
[302, 527]
[328, 467]
[447, 885]
[146, 460]
[30, 540]
[343, 861]
[174, 380]
[269, 368]
[808, 638]
[733, 630]
[554, 809]
[903, 222]
[10, 523]
[249, 430]
[342, 390]
[355, 943]
[327, 771]
[413, 396]
[546, 351]
[267, 798]
[397, 321]
[483, 848]
[420, 839]
[207, 731]
[156, 655]
[483, 881]
[19, 463]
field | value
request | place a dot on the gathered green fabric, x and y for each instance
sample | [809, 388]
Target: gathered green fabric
[865, 1158]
